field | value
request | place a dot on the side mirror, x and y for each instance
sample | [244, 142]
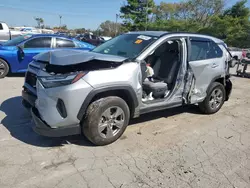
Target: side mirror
[20, 53]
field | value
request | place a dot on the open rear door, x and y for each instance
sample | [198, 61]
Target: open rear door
[205, 63]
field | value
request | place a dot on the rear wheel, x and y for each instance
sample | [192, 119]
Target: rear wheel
[4, 68]
[106, 120]
[214, 100]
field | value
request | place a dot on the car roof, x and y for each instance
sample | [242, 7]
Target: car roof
[49, 35]
[151, 33]
[164, 33]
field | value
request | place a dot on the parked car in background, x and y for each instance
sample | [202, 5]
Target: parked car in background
[237, 54]
[6, 34]
[30, 30]
[47, 31]
[105, 38]
[16, 54]
[96, 93]
[90, 38]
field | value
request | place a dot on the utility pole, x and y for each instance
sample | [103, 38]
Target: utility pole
[116, 22]
[146, 15]
[60, 17]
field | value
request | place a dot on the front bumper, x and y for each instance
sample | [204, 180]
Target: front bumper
[28, 97]
[43, 129]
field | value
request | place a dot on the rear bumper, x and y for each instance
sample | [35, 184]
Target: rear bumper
[43, 129]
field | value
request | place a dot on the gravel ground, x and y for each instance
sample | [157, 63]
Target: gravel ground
[174, 148]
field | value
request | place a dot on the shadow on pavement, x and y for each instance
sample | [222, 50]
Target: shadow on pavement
[16, 75]
[192, 109]
[246, 75]
[19, 123]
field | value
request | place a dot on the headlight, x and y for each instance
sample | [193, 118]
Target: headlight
[60, 80]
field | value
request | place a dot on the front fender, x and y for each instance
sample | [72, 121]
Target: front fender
[126, 89]
[11, 59]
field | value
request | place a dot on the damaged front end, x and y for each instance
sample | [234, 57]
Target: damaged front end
[64, 67]
[60, 88]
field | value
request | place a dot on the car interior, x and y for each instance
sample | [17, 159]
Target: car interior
[165, 62]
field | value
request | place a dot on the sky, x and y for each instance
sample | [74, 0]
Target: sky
[75, 13]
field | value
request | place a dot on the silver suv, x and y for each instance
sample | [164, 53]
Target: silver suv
[96, 93]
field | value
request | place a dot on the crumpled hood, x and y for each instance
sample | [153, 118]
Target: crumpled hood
[71, 57]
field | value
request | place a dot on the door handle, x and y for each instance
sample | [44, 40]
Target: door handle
[215, 65]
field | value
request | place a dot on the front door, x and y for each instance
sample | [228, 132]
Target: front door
[33, 47]
[206, 64]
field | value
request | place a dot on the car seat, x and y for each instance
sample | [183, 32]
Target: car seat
[165, 70]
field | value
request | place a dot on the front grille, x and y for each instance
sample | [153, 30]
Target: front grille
[31, 79]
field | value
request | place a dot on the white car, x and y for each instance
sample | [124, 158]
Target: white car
[96, 93]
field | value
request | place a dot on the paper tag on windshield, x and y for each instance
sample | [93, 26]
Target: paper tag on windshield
[138, 41]
[143, 37]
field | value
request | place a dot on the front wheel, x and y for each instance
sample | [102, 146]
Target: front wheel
[4, 68]
[106, 120]
[215, 99]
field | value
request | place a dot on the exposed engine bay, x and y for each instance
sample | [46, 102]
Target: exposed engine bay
[85, 66]
[63, 62]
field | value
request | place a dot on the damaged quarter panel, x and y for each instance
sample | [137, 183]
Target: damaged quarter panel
[206, 64]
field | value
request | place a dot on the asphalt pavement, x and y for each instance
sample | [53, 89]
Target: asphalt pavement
[173, 148]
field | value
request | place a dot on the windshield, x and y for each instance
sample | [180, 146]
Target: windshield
[127, 45]
[16, 40]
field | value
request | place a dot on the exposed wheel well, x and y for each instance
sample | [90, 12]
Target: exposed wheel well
[123, 94]
[227, 84]
[220, 80]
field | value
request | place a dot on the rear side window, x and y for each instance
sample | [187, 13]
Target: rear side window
[202, 50]
[1, 26]
[41, 42]
[64, 43]
[214, 51]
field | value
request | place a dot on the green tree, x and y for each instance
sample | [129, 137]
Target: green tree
[109, 28]
[135, 14]
[80, 30]
[233, 26]
[200, 11]
[40, 22]
[238, 10]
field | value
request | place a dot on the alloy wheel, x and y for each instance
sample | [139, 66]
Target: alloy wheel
[216, 99]
[2, 68]
[111, 122]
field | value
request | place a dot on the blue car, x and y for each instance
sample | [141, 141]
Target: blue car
[16, 54]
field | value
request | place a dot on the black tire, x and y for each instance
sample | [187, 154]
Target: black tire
[206, 106]
[4, 68]
[94, 116]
